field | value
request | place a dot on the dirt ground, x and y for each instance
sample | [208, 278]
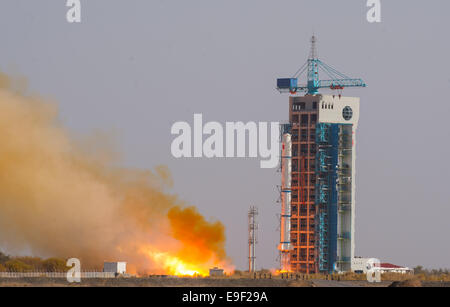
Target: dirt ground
[198, 282]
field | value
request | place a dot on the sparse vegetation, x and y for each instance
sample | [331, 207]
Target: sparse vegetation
[420, 274]
[431, 275]
[261, 274]
[31, 264]
[3, 258]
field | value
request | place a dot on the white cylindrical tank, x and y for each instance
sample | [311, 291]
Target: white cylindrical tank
[286, 195]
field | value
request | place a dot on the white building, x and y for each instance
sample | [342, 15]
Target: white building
[362, 265]
[115, 267]
[215, 272]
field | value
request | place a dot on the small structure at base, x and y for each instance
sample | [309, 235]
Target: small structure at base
[392, 268]
[115, 267]
[214, 272]
[361, 266]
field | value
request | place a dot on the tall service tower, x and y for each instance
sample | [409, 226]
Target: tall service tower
[322, 138]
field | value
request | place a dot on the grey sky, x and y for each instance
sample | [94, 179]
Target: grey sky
[135, 67]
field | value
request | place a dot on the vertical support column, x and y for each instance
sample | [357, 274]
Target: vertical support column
[353, 189]
[345, 198]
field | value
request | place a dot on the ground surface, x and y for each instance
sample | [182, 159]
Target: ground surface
[195, 282]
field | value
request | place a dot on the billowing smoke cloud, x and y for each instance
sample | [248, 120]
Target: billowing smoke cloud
[60, 198]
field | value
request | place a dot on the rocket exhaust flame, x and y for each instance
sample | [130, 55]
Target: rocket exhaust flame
[59, 198]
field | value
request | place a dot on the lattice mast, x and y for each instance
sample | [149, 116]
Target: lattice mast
[252, 238]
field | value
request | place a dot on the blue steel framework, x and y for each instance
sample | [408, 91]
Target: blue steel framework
[326, 195]
[333, 180]
[336, 80]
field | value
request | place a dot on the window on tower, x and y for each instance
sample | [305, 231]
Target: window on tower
[304, 120]
[304, 134]
[303, 149]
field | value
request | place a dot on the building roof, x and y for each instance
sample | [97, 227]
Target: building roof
[391, 266]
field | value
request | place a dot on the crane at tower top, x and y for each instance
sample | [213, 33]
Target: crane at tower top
[335, 80]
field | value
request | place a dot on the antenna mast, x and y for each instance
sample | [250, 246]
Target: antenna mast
[313, 53]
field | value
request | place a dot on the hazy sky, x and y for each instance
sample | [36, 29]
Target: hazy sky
[133, 68]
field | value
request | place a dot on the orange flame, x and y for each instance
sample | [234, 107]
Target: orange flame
[201, 245]
[175, 266]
